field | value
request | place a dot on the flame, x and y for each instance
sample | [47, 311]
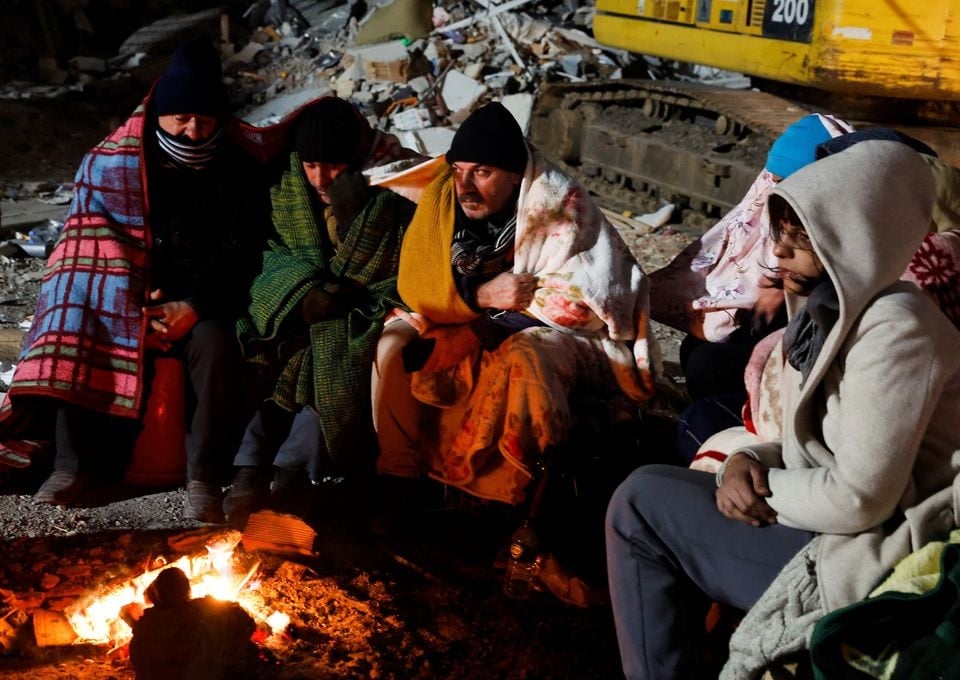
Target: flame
[221, 572]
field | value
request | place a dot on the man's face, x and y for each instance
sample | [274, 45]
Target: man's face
[193, 126]
[483, 190]
[321, 175]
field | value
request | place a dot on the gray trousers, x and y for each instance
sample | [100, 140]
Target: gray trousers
[669, 554]
[293, 441]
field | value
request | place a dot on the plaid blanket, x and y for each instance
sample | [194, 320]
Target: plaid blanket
[85, 344]
[331, 372]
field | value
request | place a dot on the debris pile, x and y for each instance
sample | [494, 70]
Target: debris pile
[414, 69]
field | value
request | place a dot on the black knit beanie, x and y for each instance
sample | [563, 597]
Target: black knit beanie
[193, 82]
[333, 131]
[490, 136]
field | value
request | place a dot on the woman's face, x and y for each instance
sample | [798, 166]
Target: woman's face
[799, 267]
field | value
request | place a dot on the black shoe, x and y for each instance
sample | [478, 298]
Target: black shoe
[204, 502]
[63, 488]
[290, 491]
[247, 493]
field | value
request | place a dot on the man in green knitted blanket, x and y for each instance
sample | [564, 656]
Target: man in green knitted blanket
[317, 310]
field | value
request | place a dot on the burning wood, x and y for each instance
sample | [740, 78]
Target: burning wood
[213, 584]
[180, 636]
[278, 533]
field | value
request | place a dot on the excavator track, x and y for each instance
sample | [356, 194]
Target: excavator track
[691, 144]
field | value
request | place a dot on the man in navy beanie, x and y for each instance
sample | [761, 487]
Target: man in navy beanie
[156, 258]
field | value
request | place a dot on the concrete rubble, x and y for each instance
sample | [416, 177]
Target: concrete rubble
[435, 65]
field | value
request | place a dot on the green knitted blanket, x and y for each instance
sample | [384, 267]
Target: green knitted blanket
[330, 368]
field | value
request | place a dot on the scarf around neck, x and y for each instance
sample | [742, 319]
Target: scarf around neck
[483, 247]
[193, 155]
[806, 332]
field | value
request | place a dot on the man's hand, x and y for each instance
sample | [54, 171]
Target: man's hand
[741, 496]
[317, 305]
[507, 291]
[349, 194]
[168, 320]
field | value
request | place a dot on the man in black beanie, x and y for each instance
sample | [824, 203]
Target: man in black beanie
[156, 259]
[317, 310]
[521, 293]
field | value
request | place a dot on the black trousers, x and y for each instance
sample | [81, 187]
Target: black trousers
[217, 404]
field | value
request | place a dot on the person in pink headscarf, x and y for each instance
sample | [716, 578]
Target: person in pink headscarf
[714, 290]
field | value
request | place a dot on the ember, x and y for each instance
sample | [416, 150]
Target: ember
[220, 572]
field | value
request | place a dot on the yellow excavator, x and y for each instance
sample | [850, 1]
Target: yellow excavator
[874, 62]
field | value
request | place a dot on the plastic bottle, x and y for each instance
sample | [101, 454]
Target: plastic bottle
[521, 564]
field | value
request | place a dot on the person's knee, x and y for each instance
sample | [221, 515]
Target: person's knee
[634, 493]
[652, 494]
[536, 346]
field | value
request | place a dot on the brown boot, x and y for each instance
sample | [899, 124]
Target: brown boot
[63, 488]
[204, 502]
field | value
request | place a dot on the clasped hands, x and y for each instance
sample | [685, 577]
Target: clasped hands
[743, 492]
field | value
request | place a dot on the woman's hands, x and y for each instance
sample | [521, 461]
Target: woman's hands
[743, 491]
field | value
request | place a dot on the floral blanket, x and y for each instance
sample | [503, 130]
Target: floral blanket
[496, 412]
[707, 288]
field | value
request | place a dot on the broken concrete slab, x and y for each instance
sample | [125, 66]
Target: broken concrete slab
[410, 19]
[460, 92]
[24, 214]
[88, 64]
[279, 107]
[162, 36]
[521, 106]
[431, 141]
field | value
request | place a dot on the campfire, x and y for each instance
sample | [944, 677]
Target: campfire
[218, 570]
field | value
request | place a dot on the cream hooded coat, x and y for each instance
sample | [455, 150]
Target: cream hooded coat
[876, 427]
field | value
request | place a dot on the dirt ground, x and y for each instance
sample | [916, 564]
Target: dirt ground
[427, 605]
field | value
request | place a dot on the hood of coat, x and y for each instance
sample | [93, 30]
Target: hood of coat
[866, 211]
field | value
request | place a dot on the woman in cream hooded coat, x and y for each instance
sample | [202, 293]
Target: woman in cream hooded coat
[866, 470]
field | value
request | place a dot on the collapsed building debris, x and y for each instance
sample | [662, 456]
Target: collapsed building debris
[440, 62]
